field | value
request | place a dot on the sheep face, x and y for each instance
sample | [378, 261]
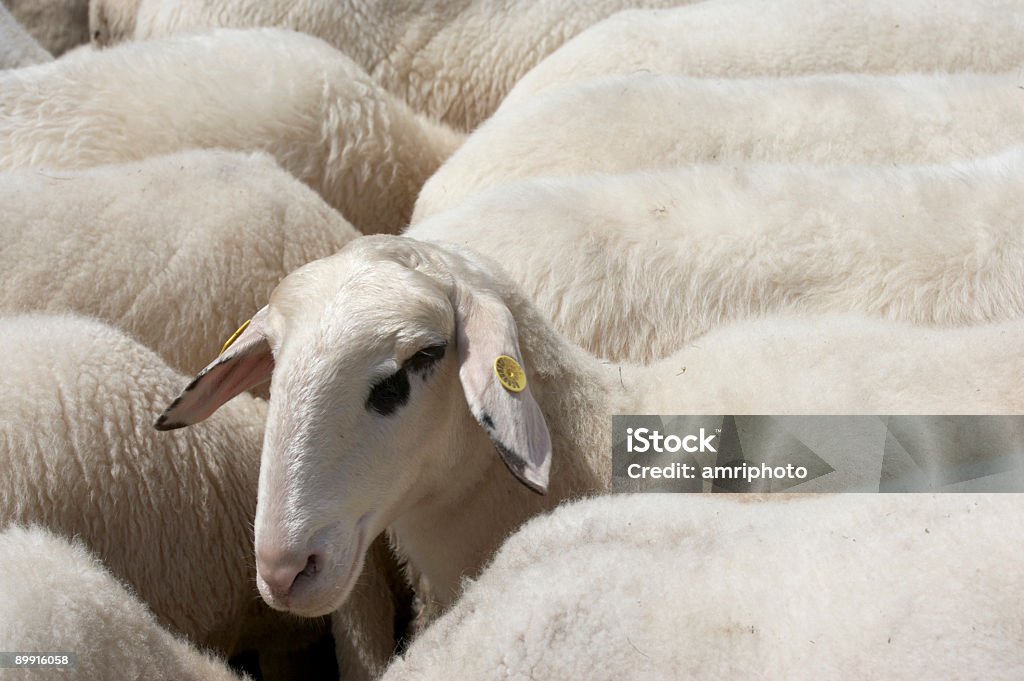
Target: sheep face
[385, 389]
[363, 397]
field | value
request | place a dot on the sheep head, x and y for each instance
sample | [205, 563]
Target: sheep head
[386, 371]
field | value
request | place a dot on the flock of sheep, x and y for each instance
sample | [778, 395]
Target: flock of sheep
[607, 207]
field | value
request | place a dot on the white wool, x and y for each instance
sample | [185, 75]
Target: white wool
[111, 21]
[742, 38]
[107, 471]
[317, 113]
[796, 588]
[413, 443]
[57, 597]
[79, 51]
[691, 248]
[58, 25]
[169, 513]
[17, 47]
[452, 60]
[176, 250]
[642, 121]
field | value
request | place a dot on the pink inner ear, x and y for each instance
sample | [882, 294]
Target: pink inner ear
[214, 386]
[245, 364]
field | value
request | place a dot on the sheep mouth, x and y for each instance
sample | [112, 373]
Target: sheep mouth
[316, 593]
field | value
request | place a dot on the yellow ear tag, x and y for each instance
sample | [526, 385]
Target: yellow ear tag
[510, 374]
[235, 335]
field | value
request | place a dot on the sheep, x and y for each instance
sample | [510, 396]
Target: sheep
[799, 587]
[81, 50]
[219, 230]
[400, 367]
[694, 247]
[55, 596]
[111, 21]
[171, 516]
[743, 38]
[453, 61]
[58, 25]
[318, 114]
[18, 48]
[622, 123]
[67, 372]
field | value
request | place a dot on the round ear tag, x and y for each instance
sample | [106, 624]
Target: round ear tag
[235, 336]
[510, 374]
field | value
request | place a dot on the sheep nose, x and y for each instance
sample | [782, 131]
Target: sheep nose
[281, 571]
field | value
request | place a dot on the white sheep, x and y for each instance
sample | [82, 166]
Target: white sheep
[309, 106]
[170, 515]
[111, 21]
[644, 121]
[453, 61]
[56, 597]
[176, 250]
[796, 587]
[58, 25]
[17, 47]
[79, 51]
[742, 38]
[401, 368]
[691, 248]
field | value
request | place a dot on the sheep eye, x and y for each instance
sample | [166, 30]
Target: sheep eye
[425, 360]
[388, 394]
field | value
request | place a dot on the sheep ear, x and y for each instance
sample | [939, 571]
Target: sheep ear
[245, 362]
[495, 385]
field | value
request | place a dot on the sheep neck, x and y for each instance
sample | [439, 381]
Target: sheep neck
[455, 533]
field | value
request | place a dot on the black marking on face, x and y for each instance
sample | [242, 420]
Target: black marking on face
[387, 395]
[425, 361]
[485, 420]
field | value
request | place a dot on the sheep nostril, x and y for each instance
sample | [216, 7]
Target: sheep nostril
[312, 566]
